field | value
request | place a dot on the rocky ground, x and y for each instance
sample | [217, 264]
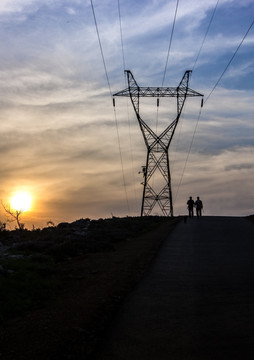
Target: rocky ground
[94, 267]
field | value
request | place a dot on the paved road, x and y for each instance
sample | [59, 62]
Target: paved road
[197, 300]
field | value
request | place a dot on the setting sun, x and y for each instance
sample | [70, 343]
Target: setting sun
[21, 201]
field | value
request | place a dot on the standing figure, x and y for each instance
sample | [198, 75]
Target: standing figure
[190, 204]
[199, 207]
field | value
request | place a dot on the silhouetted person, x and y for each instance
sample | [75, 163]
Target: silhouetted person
[199, 206]
[190, 204]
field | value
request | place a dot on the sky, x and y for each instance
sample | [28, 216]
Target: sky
[62, 140]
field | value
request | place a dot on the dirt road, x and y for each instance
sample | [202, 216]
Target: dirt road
[196, 301]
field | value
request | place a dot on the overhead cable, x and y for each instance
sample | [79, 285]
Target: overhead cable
[99, 40]
[187, 158]
[121, 160]
[170, 42]
[203, 102]
[116, 122]
[124, 67]
[208, 28]
[121, 32]
[230, 61]
[195, 130]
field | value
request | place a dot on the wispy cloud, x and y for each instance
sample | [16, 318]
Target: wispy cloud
[242, 166]
[58, 126]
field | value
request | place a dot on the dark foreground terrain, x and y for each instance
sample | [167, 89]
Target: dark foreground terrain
[60, 286]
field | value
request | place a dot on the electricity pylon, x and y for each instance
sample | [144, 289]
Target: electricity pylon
[157, 145]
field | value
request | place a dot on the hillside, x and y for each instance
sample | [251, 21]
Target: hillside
[60, 286]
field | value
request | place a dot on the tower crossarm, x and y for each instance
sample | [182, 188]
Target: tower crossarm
[133, 90]
[155, 92]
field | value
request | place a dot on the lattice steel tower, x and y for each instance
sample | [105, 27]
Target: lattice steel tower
[157, 160]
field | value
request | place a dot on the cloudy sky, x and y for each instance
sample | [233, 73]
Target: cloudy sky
[60, 138]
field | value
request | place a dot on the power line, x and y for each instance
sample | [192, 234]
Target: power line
[121, 33]
[187, 158]
[230, 61]
[170, 42]
[180, 126]
[208, 28]
[224, 71]
[121, 160]
[125, 79]
[116, 122]
[99, 40]
[195, 129]
[166, 65]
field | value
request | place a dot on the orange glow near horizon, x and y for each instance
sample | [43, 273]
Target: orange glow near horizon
[21, 201]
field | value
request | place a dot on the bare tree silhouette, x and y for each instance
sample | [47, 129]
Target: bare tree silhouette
[14, 215]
